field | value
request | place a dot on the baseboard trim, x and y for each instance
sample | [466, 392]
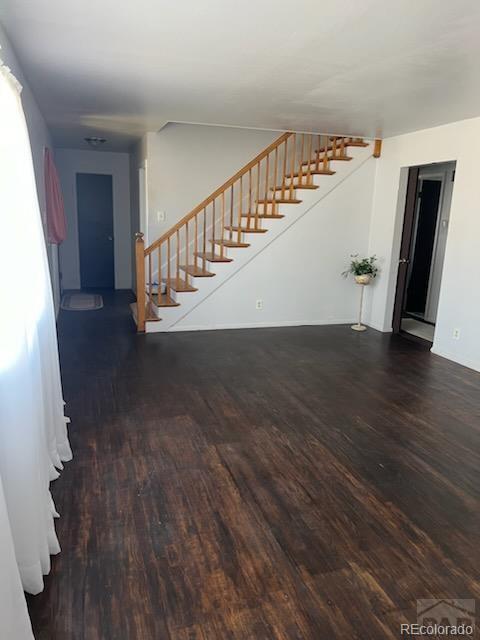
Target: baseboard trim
[377, 327]
[260, 325]
[465, 362]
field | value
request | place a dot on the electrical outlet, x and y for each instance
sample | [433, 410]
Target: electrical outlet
[259, 304]
[161, 216]
[456, 334]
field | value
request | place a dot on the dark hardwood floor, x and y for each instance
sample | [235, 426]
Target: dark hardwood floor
[304, 482]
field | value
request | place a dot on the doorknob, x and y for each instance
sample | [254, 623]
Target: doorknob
[109, 237]
[403, 261]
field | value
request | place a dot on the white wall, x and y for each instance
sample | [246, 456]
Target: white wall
[185, 163]
[39, 139]
[298, 276]
[70, 162]
[459, 304]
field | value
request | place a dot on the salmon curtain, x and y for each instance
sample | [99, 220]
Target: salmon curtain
[56, 224]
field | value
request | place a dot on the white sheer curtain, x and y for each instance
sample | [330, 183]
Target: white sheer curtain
[14, 622]
[33, 434]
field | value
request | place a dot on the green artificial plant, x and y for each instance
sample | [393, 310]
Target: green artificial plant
[363, 266]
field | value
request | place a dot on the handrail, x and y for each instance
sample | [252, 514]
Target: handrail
[213, 196]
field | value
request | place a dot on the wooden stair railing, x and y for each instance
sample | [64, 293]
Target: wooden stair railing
[236, 208]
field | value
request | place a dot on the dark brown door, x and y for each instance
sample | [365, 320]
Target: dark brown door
[95, 230]
[405, 247]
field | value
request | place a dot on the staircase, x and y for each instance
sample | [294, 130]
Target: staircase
[236, 222]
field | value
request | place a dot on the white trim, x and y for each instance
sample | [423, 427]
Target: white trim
[448, 355]
[260, 325]
[378, 327]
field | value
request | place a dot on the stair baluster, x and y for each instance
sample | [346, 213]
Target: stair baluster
[230, 233]
[275, 161]
[213, 223]
[302, 147]
[285, 153]
[159, 273]
[168, 288]
[308, 179]
[177, 259]
[267, 169]
[150, 278]
[317, 153]
[249, 206]
[240, 203]
[293, 154]
[223, 221]
[325, 155]
[186, 258]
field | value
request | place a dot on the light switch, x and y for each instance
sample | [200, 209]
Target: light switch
[161, 216]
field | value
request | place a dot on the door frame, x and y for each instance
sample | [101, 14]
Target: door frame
[405, 247]
[443, 214]
[416, 174]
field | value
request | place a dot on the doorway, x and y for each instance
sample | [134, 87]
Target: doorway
[95, 230]
[422, 251]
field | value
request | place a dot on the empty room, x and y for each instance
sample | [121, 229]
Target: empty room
[239, 344]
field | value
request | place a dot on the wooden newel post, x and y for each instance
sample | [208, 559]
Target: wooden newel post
[140, 274]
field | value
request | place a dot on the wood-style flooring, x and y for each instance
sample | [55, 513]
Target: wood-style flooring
[288, 483]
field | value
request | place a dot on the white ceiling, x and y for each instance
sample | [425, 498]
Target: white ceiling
[117, 68]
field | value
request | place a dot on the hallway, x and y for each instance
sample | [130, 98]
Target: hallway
[300, 482]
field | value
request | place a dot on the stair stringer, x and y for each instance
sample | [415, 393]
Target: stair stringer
[171, 316]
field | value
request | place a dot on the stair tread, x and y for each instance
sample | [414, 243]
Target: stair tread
[296, 186]
[343, 158]
[330, 159]
[263, 216]
[196, 271]
[280, 201]
[210, 256]
[356, 144]
[246, 229]
[164, 300]
[231, 243]
[315, 172]
[179, 285]
[347, 144]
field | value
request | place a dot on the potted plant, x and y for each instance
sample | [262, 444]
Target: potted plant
[363, 270]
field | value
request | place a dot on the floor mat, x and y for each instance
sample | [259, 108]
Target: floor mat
[82, 302]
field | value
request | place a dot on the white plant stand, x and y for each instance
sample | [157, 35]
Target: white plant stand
[362, 281]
